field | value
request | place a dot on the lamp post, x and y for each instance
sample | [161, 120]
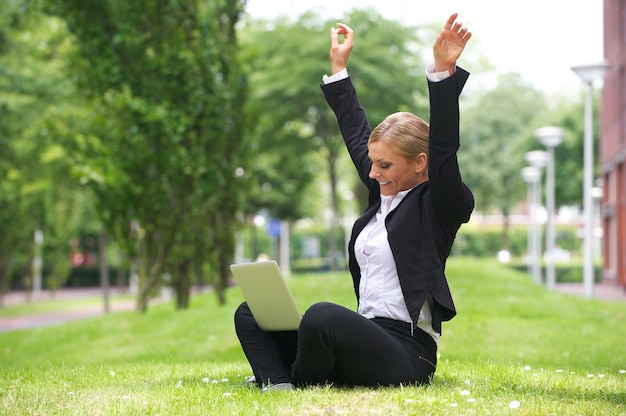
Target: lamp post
[589, 74]
[37, 264]
[537, 159]
[596, 194]
[532, 176]
[550, 137]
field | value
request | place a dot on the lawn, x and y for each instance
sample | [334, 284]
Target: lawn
[513, 349]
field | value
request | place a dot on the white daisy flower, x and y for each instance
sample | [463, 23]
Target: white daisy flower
[514, 404]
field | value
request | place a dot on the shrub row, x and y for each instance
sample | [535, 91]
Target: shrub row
[486, 242]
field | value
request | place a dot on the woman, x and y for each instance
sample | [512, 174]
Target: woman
[398, 248]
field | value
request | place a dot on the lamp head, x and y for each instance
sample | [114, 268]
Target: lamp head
[550, 136]
[591, 72]
[537, 158]
[531, 174]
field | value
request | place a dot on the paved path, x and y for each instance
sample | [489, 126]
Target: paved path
[52, 318]
[603, 291]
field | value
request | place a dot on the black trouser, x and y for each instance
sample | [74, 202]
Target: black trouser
[337, 345]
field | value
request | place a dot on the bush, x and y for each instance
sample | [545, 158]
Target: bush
[487, 241]
[565, 273]
[90, 277]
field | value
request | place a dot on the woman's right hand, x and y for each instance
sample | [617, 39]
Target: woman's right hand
[340, 52]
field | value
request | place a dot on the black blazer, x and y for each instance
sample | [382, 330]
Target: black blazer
[422, 228]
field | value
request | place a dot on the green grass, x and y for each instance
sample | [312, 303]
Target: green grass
[512, 341]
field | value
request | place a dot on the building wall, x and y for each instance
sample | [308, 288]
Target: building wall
[613, 143]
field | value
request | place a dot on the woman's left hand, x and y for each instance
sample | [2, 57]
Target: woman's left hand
[450, 44]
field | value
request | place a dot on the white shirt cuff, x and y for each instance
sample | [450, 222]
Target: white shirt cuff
[436, 76]
[343, 74]
[430, 74]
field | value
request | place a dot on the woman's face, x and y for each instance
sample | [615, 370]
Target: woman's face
[393, 171]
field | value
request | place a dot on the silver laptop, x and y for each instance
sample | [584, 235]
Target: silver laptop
[270, 300]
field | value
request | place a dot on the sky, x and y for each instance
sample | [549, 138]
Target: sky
[540, 39]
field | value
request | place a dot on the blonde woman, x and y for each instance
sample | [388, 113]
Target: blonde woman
[398, 247]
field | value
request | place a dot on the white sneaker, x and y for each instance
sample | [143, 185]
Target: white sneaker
[278, 387]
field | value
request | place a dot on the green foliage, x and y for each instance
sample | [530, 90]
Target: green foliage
[296, 134]
[284, 98]
[297, 142]
[36, 190]
[566, 272]
[512, 341]
[486, 241]
[163, 137]
[135, 110]
[493, 139]
[82, 277]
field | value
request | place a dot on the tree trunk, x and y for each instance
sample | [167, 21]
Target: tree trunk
[104, 270]
[4, 280]
[334, 220]
[506, 244]
[149, 272]
[182, 284]
[221, 279]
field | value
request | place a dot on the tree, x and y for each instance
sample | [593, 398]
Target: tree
[494, 138]
[290, 118]
[164, 138]
[35, 191]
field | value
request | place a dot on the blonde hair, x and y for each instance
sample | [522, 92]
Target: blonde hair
[405, 133]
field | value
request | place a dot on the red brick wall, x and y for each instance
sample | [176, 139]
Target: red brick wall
[613, 141]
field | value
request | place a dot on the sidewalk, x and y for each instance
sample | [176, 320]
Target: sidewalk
[602, 290]
[17, 297]
[52, 318]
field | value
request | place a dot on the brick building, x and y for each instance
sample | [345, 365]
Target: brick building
[613, 144]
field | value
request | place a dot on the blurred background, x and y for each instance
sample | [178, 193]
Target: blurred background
[149, 145]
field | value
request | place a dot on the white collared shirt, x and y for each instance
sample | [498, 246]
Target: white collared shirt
[380, 294]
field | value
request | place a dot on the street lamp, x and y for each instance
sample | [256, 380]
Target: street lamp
[532, 176]
[589, 74]
[550, 137]
[538, 159]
